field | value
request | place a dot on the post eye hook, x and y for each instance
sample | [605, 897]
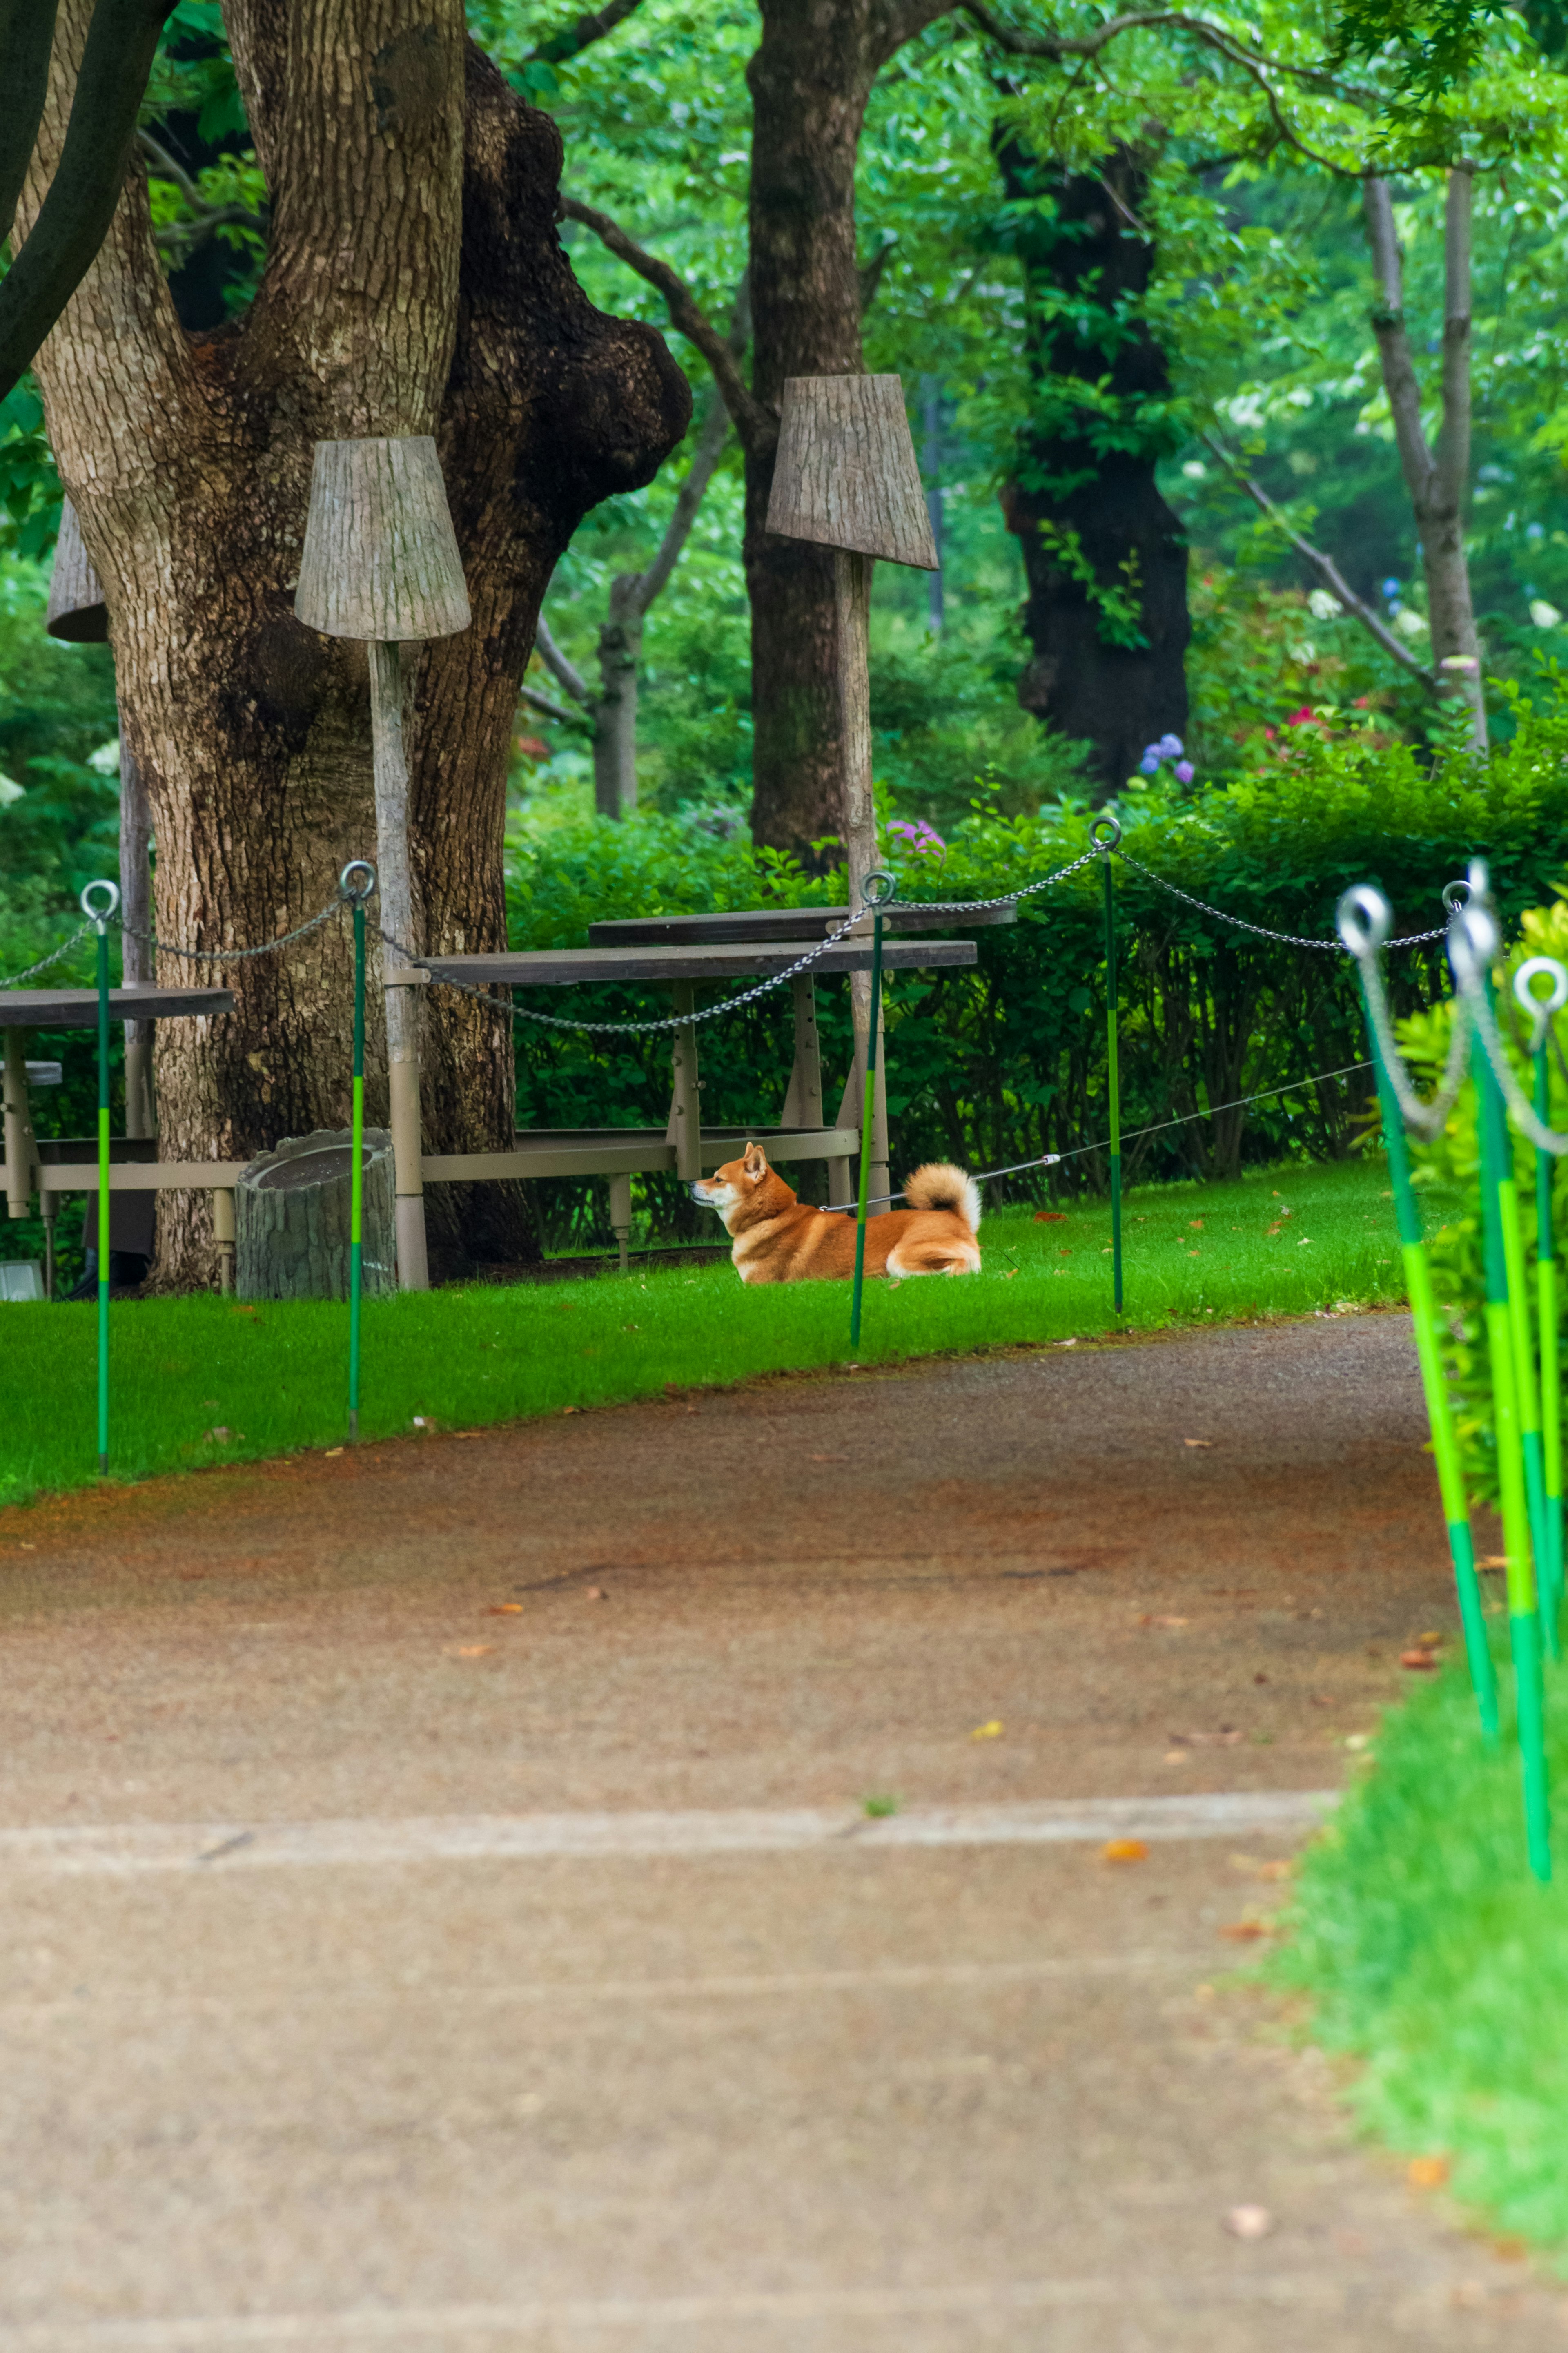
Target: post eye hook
[102, 916]
[353, 888]
[1106, 834]
[1365, 919]
[1540, 1009]
[878, 887]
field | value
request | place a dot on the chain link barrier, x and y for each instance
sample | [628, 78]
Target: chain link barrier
[242, 956]
[54, 957]
[622, 1028]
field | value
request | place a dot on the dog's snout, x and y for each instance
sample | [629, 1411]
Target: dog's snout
[698, 1192]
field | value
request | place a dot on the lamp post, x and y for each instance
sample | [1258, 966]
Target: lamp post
[846, 476]
[380, 564]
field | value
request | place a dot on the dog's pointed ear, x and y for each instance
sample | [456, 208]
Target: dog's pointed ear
[756, 1162]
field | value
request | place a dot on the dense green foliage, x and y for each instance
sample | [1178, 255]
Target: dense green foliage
[273, 1376]
[1431, 1953]
[1007, 1062]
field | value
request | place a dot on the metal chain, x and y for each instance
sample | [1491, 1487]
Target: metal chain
[240, 955]
[43, 963]
[1261, 931]
[1129, 1135]
[1008, 898]
[1427, 1118]
[624, 1029]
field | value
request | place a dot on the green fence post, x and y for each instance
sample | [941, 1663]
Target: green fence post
[1524, 1618]
[99, 917]
[359, 893]
[1549, 1553]
[1435, 1386]
[876, 899]
[1106, 834]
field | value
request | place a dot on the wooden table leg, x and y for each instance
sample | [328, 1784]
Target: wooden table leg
[685, 1129]
[621, 1216]
[223, 1234]
[850, 1111]
[46, 1204]
[802, 1102]
[18, 1127]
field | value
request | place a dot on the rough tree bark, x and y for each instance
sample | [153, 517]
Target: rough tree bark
[1438, 480]
[414, 284]
[1086, 266]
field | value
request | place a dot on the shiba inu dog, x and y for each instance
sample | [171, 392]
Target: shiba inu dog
[780, 1240]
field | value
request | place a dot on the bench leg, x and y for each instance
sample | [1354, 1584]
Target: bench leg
[223, 1234]
[621, 1217]
[802, 1103]
[18, 1127]
[47, 1204]
[685, 1129]
[850, 1111]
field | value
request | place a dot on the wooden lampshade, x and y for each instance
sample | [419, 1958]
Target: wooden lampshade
[845, 473]
[76, 615]
[381, 560]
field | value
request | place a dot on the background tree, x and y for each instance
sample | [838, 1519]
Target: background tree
[448, 308]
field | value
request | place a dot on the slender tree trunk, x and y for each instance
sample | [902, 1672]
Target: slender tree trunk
[810, 81]
[1104, 555]
[616, 711]
[1438, 480]
[414, 284]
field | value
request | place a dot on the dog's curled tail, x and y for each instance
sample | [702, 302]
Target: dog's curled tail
[940, 1186]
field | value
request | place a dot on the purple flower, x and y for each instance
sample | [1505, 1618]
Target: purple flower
[1149, 765]
[1170, 747]
[1185, 772]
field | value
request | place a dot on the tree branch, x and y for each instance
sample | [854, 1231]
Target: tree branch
[1399, 376]
[1327, 570]
[756, 424]
[27, 36]
[557, 710]
[1453, 454]
[581, 34]
[870, 273]
[74, 218]
[554, 661]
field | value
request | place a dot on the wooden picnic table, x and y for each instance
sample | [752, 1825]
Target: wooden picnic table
[768, 923]
[686, 1147]
[70, 1164]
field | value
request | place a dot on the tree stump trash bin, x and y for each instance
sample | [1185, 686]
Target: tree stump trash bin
[292, 1213]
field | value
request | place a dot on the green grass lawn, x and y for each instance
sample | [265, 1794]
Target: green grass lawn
[1431, 1953]
[1282, 1242]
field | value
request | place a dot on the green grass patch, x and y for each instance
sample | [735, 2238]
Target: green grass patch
[274, 1377]
[1431, 1953]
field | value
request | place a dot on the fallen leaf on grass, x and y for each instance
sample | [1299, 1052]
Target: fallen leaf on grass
[1050, 1217]
[1249, 2221]
[1426, 2172]
[1418, 1663]
[1428, 1641]
[1244, 1932]
[1124, 1851]
[992, 1731]
[1007, 1277]
[1196, 1224]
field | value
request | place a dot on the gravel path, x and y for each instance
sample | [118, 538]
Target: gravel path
[440, 1910]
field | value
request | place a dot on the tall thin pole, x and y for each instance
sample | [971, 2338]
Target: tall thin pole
[356, 1171]
[1112, 1080]
[99, 916]
[866, 1116]
[1550, 1360]
[1523, 1620]
[1440, 1412]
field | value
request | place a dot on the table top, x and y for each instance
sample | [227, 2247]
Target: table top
[762, 923]
[76, 1009]
[562, 967]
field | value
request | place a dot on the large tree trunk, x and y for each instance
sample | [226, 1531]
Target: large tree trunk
[414, 284]
[809, 81]
[1084, 516]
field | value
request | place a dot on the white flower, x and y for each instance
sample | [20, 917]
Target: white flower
[1195, 470]
[9, 791]
[1324, 607]
[1409, 622]
[1544, 616]
[105, 759]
